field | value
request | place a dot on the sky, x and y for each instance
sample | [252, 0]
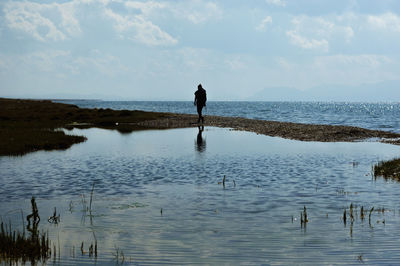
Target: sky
[342, 50]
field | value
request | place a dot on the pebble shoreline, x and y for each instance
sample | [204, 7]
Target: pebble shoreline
[295, 131]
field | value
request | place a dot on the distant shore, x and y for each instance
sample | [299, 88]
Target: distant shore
[30, 125]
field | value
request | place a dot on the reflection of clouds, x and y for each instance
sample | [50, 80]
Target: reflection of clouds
[200, 142]
[110, 227]
[127, 198]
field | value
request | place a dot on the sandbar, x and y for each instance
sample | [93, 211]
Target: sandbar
[31, 125]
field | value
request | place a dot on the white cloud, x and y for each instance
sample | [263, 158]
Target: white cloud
[387, 21]
[151, 34]
[342, 61]
[121, 23]
[104, 64]
[306, 43]
[46, 61]
[318, 32]
[195, 11]
[49, 64]
[145, 7]
[342, 69]
[57, 22]
[276, 2]
[131, 19]
[263, 23]
[348, 33]
[102, 2]
[284, 63]
[43, 21]
[236, 63]
[62, 63]
[68, 20]
[139, 29]
[197, 58]
[353, 69]
[138, 25]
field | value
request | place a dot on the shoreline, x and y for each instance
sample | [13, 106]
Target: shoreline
[29, 125]
[287, 130]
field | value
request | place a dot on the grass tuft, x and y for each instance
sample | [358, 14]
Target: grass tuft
[388, 169]
[18, 247]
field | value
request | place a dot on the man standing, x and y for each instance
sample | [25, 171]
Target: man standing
[200, 98]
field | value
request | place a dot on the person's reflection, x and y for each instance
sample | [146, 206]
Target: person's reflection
[200, 142]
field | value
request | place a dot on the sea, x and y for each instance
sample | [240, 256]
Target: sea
[380, 116]
[212, 196]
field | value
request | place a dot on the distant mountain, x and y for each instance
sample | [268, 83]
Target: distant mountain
[379, 92]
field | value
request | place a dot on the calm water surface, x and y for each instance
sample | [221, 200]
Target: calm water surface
[255, 219]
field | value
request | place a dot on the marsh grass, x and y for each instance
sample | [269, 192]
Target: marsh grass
[356, 213]
[33, 246]
[87, 207]
[119, 256]
[19, 141]
[31, 125]
[17, 246]
[388, 169]
[55, 219]
[303, 218]
[91, 250]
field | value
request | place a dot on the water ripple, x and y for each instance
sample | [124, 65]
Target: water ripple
[160, 202]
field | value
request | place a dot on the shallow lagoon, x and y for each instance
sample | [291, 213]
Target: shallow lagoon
[254, 219]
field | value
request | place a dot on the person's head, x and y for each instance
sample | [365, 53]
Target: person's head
[199, 87]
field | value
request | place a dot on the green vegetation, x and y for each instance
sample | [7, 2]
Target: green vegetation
[388, 169]
[31, 125]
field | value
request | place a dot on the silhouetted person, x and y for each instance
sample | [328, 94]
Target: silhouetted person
[200, 98]
[200, 143]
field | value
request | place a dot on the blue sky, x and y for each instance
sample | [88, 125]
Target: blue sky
[238, 49]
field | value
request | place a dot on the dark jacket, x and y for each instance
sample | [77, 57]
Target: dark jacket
[200, 97]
